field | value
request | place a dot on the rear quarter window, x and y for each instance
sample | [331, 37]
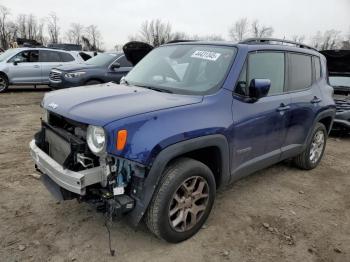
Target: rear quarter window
[300, 72]
[65, 57]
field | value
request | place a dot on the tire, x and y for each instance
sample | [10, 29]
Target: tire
[4, 83]
[304, 160]
[182, 172]
[93, 82]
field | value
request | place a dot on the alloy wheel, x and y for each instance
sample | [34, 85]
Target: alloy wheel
[188, 203]
[3, 84]
[317, 146]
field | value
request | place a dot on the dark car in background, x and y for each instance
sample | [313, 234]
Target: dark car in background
[105, 67]
[338, 64]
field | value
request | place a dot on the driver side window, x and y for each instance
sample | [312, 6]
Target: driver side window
[28, 56]
[262, 65]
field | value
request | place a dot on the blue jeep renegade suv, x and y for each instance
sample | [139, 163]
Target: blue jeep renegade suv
[189, 118]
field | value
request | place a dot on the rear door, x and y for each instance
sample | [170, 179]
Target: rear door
[48, 59]
[302, 83]
[24, 68]
[259, 128]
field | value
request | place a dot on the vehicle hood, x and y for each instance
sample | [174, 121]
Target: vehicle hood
[338, 61]
[76, 67]
[104, 103]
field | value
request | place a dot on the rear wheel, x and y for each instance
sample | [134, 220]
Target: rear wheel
[183, 200]
[4, 83]
[313, 153]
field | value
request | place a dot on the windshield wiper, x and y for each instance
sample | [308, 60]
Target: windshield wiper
[155, 89]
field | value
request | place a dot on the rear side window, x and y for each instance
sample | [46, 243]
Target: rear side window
[65, 57]
[49, 56]
[317, 66]
[300, 72]
[267, 65]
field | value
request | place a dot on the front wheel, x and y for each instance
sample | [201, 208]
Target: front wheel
[4, 83]
[313, 153]
[183, 200]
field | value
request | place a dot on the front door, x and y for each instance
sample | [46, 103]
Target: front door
[24, 68]
[259, 128]
[115, 74]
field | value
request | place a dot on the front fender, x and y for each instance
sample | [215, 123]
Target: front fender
[165, 156]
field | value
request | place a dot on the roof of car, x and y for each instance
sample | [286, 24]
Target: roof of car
[251, 46]
[40, 48]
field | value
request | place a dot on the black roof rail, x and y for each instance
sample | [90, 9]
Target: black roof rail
[181, 41]
[275, 40]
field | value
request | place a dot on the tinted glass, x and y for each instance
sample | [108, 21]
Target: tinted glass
[317, 65]
[104, 59]
[185, 69]
[124, 62]
[267, 65]
[49, 56]
[300, 72]
[65, 57]
[28, 56]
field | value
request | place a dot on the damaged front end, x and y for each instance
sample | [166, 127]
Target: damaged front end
[71, 170]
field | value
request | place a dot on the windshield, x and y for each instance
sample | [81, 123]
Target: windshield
[183, 69]
[7, 54]
[339, 81]
[102, 59]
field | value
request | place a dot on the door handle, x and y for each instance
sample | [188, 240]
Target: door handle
[315, 100]
[283, 107]
[36, 66]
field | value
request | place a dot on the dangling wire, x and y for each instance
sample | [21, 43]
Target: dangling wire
[107, 220]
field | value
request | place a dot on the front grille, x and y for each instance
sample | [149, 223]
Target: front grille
[342, 105]
[55, 76]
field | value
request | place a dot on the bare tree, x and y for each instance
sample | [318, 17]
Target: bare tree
[239, 30]
[94, 37]
[53, 28]
[4, 13]
[31, 27]
[155, 32]
[330, 39]
[22, 26]
[74, 34]
[258, 30]
[298, 38]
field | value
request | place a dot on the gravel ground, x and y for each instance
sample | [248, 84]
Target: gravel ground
[278, 214]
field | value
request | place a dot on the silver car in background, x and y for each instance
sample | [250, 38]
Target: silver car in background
[32, 66]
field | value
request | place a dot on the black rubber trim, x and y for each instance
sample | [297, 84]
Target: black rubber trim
[169, 153]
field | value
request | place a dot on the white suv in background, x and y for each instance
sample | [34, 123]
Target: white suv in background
[23, 66]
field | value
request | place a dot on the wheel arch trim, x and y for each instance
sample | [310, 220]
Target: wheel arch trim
[168, 154]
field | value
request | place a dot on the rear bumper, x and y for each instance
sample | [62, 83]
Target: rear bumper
[75, 182]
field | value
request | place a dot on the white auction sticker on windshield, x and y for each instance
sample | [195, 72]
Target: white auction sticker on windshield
[207, 55]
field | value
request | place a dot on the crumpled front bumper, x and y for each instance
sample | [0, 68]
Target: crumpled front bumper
[75, 182]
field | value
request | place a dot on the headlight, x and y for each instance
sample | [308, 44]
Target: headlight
[75, 74]
[45, 115]
[96, 139]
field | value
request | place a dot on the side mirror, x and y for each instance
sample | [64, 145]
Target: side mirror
[16, 61]
[116, 65]
[259, 88]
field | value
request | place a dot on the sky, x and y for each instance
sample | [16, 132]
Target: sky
[118, 19]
